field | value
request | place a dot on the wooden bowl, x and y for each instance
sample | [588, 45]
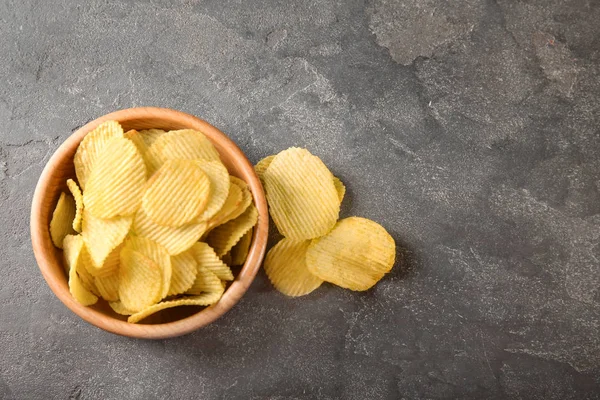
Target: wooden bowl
[168, 323]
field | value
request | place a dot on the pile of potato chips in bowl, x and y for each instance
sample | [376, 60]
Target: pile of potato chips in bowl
[153, 221]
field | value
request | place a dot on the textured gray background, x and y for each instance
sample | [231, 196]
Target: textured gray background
[469, 129]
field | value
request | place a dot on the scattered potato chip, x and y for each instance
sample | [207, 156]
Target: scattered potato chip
[140, 280]
[119, 308]
[78, 196]
[91, 147]
[156, 253]
[206, 282]
[231, 205]
[72, 254]
[225, 236]
[184, 274]
[239, 252]
[262, 166]
[177, 193]
[108, 286]
[116, 182]
[205, 299]
[206, 258]
[285, 265]
[219, 183]
[184, 144]
[175, 240]
[102, 236]
[61, 224]
[340, 188]
[302, 197]
[355, 255]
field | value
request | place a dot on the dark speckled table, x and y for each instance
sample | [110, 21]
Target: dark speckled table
[469, 129]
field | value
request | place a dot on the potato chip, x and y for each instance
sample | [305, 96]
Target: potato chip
[206, 258]
[147, 139]
[340, 188]
[116, 183]
[285, 266]
[149, 136]
[225, 236]
[302, 197]
[139, 142]
[184, 144]
[226, 258]
[156, 253]
[108, 286]
[206, 282]
[205, 299]
[72, 255]
[140, 280]
[177, 193]
[239, 252]
[175, 240]
[63, 216]
[86, 278]
[246, 198]
[108, 267]
[184, 274]
[219, 183]
[119, 308]
[231, 205]
[92, 146]
[102, 236]
[78, 196]
[355, 255]
[262, 166]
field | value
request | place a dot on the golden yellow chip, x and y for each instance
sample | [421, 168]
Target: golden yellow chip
[119, 308]
[184, 144]
[355, 255]
[219, 187]
[175, 240]
[86, 278]
[246, 198]
[302, 197]
[285, 265]
[72, 255]
[92, 146]
[140, 280]
[156, 253]
[78, 196]
[145, 141]
[205, 299]
[177, 193]
[231, 205]
[63, 216]
[102, 236]
[149, 136]
[239, 252]
[109, 267]
[206, 282]
[225, 236]
[108, 286]
[206, 258]
[116, 182]
[138, 140]
[184, 274]
[339, 188]
[262, 166]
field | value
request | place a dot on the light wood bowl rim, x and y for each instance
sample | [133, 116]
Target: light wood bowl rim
[40, 235]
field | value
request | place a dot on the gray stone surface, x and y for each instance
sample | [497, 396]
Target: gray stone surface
[469, 129]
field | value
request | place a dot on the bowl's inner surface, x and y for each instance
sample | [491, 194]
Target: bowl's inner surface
[64, 169]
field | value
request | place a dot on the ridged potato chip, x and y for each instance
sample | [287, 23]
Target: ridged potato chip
[116, 182]
[231, 205]
[175, 240]
[206, 258]
[262, 166]
[177, 193]
[63, 216]
[91, 147]
[102, 236]
[108, 267]
[119, 308]
[108, 286]
[140, 280]
[340, 188]
[246, 198]
[205, 299]
[156, 253]
[355, 255]
[239, 252]
[226, 258]
[148, 137]
[225, 236]
[206, 282]
[139, 142]
[219, 184]
[302, 197]
[78, 196]
[184, 144]
[87, 279]
[72, 255]
[285, 266]
[185, 269]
